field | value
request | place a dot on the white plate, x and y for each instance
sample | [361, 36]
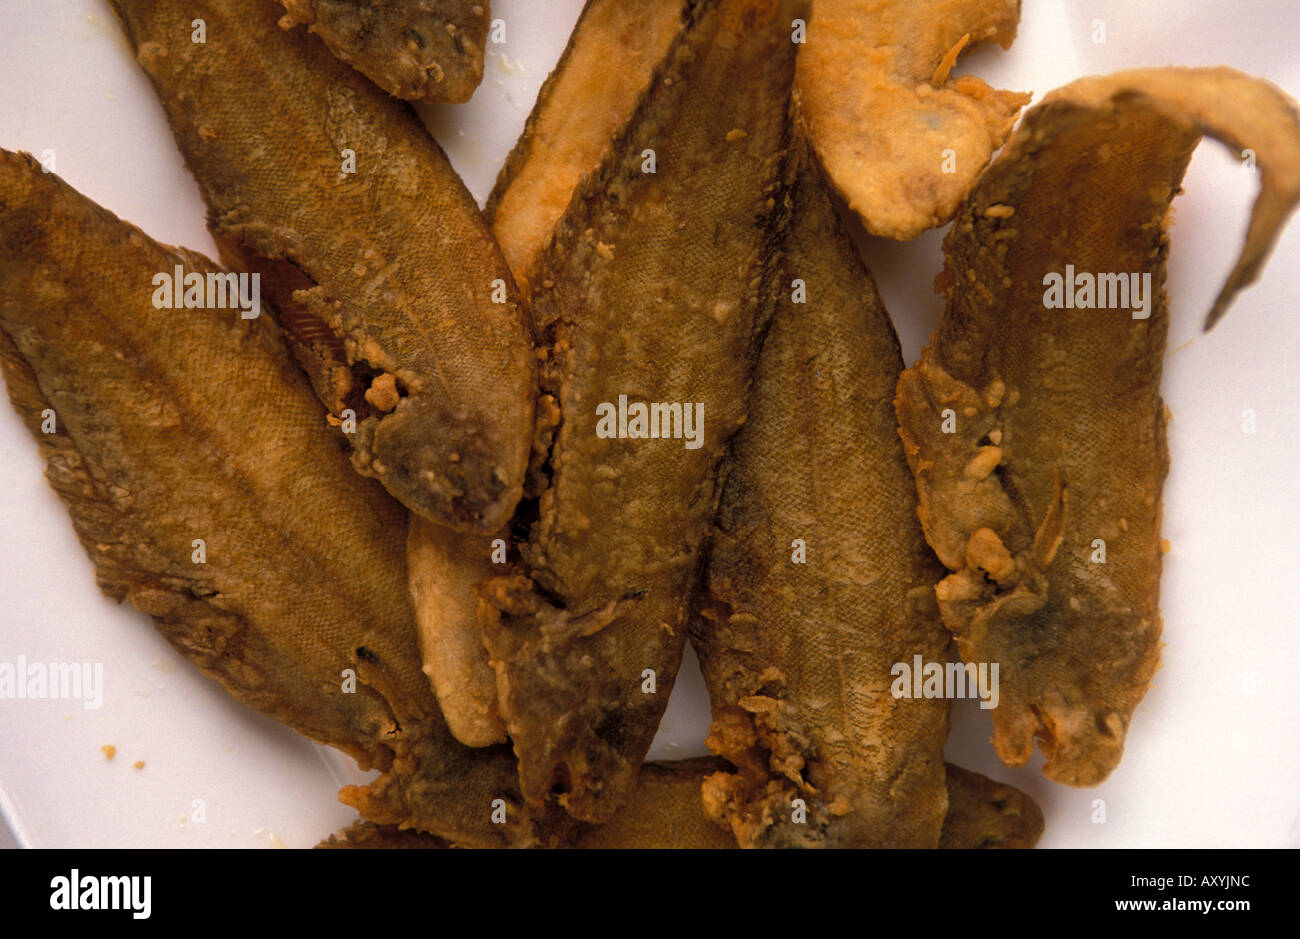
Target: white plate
[1210, 759]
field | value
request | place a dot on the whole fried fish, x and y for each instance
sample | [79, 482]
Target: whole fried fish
[819, 579]
[902, 141]
[389, 285]
[414, 49]
[1034, 427]
[209, 492]
[655, 290]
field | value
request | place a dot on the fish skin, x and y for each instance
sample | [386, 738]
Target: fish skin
[882, 112]
[1072, 397]
[428, 50]
[403, 289]
[655, 286]
[609, 60]
[798, 656]
[154, 449]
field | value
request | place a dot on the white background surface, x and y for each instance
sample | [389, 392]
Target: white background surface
[1212, 758]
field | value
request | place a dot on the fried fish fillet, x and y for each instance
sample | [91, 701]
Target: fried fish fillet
[387, 279]
[1036, 435]
[902, 142]
[655, 290]
[414, 49]
[601, 76]
[819, 578]
[603, 73]
[208, 491]
[665, 812]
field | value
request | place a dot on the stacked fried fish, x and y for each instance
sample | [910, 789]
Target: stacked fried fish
[499, 613]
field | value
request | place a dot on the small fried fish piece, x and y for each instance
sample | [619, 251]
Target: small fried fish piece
[603, 73]
[386, 279]
[655, 290]
[902, 141]
[819, 579]
[208, 491]
[415, 49]
[984, 813]
[444, 568]
[1036, 434]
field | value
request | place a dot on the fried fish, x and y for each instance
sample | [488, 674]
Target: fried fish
[209, 492]
[903, 141]
[603, 73]
[591, 93]
[389, 285]
[984, 813]
[444, 569]
[414, 49]
[654, 292]
[1035, 429]
[819, 579]
[665, 812]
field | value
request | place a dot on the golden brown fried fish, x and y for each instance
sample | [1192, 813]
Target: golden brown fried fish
[389, 285]
[665, 812]
[902, 141]
[603, 73]
[209, 492]
[1033, 423]
[445, 568]
[819, 579]
[652, 293]
[414, 49]
[590, 95]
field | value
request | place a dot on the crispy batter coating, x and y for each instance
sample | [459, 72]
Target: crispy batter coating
[819, 578]
[302, 584]
[613, 51]
[655, 288]
[901, 140]
[414, 49]
[386, 278]
[1037, 435]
